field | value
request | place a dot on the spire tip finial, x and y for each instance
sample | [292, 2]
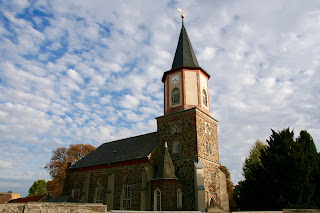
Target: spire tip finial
[183, 14]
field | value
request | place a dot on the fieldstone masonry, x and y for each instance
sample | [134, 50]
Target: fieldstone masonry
[196, 130]
[113, 178]
[52, 208]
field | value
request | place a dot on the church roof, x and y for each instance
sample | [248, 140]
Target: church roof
[166, 169]
[185, 56]
[121, 150]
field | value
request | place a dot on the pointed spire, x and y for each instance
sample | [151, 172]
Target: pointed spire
[185, 56]
[166, 169]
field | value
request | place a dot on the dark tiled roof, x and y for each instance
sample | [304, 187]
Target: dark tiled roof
[64, 199]
[28, 199]
[185, 56]
[121, 150]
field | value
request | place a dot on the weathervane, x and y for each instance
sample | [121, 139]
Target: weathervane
[182, 13]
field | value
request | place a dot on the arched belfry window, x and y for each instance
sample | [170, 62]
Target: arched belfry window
[175, 95]
[157, 200]
[204, 98]
[99, 191]
[126, 194]
[179, 199]
[208, 148]
[76, 191]
[176, 146]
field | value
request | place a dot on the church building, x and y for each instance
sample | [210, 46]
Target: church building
[174, 168]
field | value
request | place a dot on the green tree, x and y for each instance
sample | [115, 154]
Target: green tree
[254, 159]
[242, 193]
[230, 186]
[285, 177]
[58, 165]
[38, 187]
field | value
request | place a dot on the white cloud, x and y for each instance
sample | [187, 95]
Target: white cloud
[5, 164]
[129, 102]
[75, 76]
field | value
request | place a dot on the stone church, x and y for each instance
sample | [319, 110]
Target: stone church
[175, 168]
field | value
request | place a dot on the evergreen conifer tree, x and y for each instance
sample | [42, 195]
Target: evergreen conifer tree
[287, 175]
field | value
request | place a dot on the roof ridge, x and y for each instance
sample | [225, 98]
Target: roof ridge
[128, 138]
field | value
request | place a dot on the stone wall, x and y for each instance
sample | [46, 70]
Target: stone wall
[197, 133]
[168, 189]
[52, 208]
[112, 178]
[180, 126]
[12, 207]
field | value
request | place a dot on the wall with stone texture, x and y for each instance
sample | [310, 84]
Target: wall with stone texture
[133, 171]
[52, 208]
[207, 134]
[168, 189]
[12, 207]
[180, 126]
[196, 128]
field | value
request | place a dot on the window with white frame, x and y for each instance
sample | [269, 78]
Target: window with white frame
[208, 148]
[207, 128]
[157, 200]
[211, 177]
[99, 192]
[176, 146]
[126, 194]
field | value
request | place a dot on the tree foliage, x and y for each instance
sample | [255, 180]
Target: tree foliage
[38, 187]
[285, 175]
[230, 186]
[58, 165]
[254, 159]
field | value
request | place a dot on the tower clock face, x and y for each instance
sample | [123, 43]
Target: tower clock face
[175, 79]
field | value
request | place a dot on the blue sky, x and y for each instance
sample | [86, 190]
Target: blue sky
[90, 72]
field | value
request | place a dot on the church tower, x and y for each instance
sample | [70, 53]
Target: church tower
[186, 84]
[190, 132]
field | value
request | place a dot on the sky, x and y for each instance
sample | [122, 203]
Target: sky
[90, 72]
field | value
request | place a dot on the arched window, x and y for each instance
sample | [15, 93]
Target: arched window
[208, 148]
[76, 191]
[179, 199]
[175, 95]
[126, 194]
[207, 128]
[176, 147]
[211, 177]
[212, 200]
[157, 200]
[204, 98]
[99, 192]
